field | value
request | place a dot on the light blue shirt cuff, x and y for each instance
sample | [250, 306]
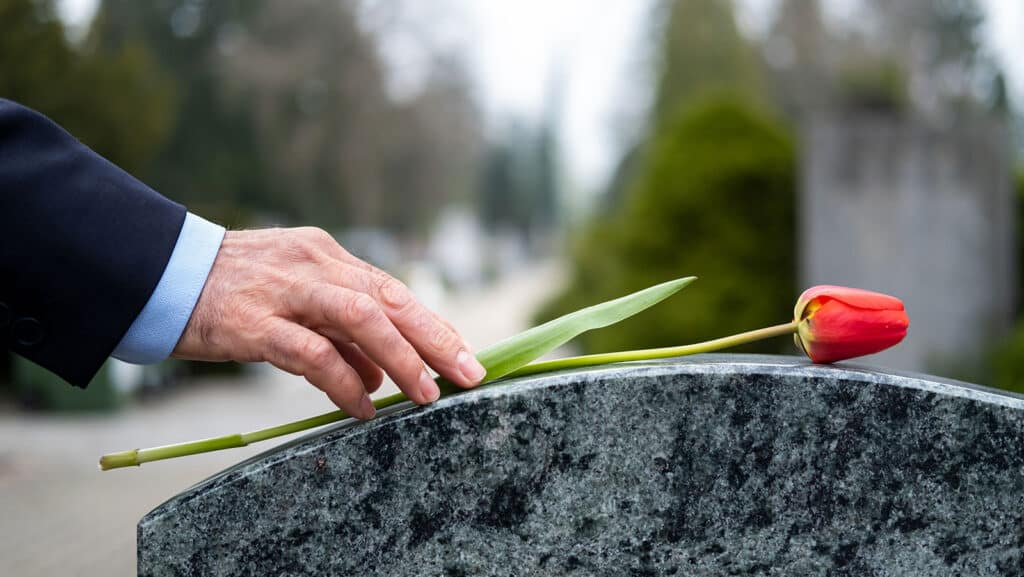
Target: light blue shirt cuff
[156, 330]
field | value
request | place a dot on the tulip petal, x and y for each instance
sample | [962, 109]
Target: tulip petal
[838, 331]
[859, 298]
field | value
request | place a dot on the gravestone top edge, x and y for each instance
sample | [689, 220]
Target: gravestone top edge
[706, 364]
[757, 465]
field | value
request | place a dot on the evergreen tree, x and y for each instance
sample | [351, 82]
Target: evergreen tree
[702, 51]
[711, 192]
[715, 199]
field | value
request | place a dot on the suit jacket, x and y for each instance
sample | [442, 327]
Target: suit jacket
[82, 246]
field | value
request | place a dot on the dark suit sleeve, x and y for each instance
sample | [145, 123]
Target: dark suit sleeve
[82, 246]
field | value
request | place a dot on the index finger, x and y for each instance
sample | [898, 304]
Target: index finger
[359, 318]
[433, 338]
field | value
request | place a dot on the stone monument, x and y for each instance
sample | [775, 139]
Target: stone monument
[900, 205]
[718, 465]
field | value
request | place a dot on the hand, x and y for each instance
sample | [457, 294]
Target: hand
[295, 298]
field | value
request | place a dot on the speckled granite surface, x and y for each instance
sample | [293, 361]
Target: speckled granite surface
[728, 466]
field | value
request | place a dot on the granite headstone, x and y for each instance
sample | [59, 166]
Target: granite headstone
[719, 465]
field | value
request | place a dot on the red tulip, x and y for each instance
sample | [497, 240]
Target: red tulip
[839, 323]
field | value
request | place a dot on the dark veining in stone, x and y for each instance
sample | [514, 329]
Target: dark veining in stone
[721, 466]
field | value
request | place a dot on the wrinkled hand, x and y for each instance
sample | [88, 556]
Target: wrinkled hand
[295, 298]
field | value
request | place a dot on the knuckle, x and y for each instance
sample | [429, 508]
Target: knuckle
[442, 339]
[360, 309]
[306, 243]
[344, 385]
[297, 249]
[248, 311]
[315, 234]
[412, 365]
[317, 353]
[323, 240]
[392, 292]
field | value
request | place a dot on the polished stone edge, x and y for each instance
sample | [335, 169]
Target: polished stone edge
[713, 364]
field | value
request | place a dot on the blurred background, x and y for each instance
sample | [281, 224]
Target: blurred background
[513, 161]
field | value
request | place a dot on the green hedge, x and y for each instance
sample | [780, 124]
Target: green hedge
[715, 197]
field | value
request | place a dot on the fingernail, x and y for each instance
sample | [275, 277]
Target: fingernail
[429, 388]
[366, 408]
[470, 367]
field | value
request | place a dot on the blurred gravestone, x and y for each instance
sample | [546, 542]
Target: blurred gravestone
[731, 465]
[924, 212]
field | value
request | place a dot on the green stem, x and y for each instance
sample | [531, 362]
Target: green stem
[136, 457]
[662, 353]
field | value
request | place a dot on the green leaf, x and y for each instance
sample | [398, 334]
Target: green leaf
[514, 352]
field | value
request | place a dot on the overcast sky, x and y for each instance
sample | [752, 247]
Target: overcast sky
[518, 46]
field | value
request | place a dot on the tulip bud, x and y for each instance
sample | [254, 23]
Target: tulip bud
[837, 323]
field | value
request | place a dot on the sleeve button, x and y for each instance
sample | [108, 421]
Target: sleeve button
[27, 332]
